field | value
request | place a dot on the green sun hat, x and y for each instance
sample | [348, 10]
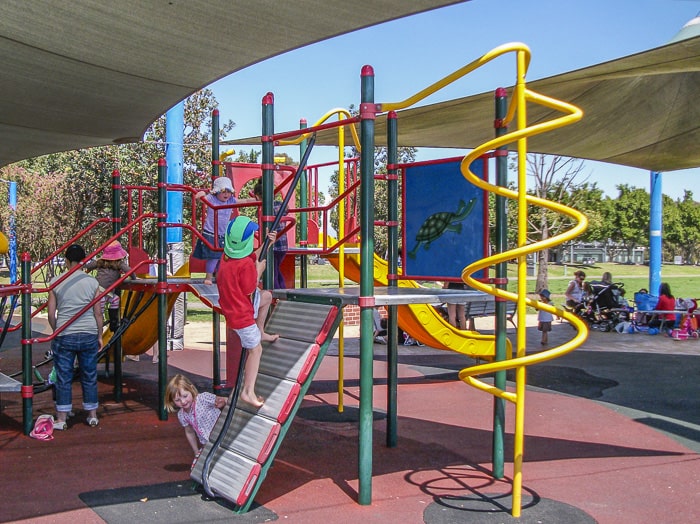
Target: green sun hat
[239, 237]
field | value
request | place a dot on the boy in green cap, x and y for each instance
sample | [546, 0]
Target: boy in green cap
[245, 306]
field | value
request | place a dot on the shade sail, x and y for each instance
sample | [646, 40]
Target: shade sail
[85, 73]
[639, 111]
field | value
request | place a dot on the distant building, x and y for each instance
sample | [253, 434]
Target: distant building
[596, 252]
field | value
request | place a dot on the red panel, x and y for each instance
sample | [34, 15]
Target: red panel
[248, 485]
[269, 443]
[312, 232]
[137, 256]
[197, 265]
[309, 364]
[287, 268]
[328, 323]
[286, 408]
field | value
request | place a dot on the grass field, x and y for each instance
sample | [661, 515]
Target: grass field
[684, 280]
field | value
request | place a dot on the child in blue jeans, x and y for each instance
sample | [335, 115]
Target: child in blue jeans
[80, 338]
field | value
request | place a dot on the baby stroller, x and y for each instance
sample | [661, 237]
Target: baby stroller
[605, 306]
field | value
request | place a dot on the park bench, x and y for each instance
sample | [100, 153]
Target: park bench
[651, 314]
[486, 308]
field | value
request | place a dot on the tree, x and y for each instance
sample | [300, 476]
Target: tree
[555, 178]
[680, 227]
[630, 217]
[67, 191]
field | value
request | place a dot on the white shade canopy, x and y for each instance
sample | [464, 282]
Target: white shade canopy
[83, 73]
[640, 111]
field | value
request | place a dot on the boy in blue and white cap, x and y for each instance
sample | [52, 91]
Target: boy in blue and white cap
[245, 306]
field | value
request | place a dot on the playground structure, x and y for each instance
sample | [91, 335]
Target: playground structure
[399, 295]
[394, 295]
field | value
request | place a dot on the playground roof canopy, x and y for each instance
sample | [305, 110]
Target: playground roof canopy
[641, 111]
[84, 73]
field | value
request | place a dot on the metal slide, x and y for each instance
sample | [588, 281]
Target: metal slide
[421, 321]
[141, 334]
[287, 368]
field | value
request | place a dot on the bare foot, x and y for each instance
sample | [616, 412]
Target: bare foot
[266, 337]
[254, 400]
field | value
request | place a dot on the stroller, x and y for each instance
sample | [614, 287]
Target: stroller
[605, 306]
[688, 325]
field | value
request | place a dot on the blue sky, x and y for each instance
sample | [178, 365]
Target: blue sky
[410, 54]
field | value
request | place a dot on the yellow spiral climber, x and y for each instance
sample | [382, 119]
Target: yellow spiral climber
[518, 109]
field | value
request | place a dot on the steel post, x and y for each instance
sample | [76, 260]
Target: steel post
[366, 301]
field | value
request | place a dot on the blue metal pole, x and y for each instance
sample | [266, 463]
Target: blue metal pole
[13, 232]
[174, 135]
[655, 225]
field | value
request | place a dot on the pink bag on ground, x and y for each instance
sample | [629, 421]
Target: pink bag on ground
[43, 428]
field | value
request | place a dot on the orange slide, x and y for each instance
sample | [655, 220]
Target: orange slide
[140, 336]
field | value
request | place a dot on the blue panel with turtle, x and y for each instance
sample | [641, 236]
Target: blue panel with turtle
[444, 220]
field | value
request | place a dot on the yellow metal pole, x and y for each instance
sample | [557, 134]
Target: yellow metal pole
[520, 371]
[341, 261]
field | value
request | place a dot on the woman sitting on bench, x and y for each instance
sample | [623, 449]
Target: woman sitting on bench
[667, 302]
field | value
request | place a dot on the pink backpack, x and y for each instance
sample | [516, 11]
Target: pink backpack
[43, 428]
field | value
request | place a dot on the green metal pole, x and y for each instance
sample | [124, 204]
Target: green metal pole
[116, 227]
[215, 315]
[366, 300]
[215, 161]
[304, 217]
[393, 242]
[499, 404]
[162, 297]
[27, 381]
[268, 180]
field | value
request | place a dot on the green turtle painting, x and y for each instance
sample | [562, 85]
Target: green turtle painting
[436, 224]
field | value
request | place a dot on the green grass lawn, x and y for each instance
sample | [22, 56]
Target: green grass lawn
[684, 281]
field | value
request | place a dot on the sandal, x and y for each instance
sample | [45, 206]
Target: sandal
[60, 425]
[93, 421]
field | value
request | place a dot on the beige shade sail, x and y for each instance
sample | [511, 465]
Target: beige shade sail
[640, 111]
[83, 73]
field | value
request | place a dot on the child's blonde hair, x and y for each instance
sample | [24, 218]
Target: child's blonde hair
[173, 388]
